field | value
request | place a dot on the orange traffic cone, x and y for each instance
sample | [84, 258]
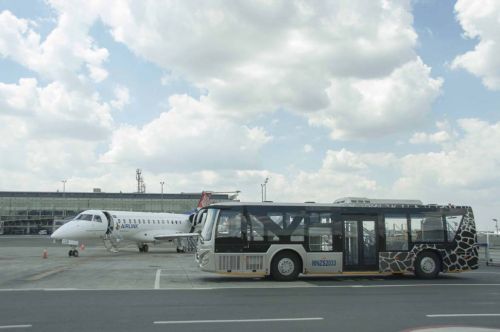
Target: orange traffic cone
[45, 254]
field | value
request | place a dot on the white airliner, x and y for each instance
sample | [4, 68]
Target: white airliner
[117, 227]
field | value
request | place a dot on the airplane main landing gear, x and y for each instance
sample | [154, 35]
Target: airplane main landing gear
[144, 248]
[73, 253]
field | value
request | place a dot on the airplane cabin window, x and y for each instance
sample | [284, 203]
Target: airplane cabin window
[97, 219]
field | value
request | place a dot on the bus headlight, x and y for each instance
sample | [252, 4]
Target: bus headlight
[203, 257]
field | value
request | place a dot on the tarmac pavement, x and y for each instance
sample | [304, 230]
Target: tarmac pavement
[130, 291]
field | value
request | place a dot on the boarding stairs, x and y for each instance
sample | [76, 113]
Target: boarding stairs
[187, 244]
[111, 241]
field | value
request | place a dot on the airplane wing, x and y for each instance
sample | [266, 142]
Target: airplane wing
[173, 236]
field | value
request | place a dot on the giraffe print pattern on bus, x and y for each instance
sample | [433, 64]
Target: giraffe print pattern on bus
[459, 255]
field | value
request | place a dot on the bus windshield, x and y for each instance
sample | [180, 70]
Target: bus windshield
[209, 224]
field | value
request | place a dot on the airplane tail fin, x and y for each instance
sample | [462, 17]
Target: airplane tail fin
[204, 200]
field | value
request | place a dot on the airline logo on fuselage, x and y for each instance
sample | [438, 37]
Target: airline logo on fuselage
[129, 226]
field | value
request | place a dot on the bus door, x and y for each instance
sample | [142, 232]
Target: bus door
[230, 231]
[360, 243]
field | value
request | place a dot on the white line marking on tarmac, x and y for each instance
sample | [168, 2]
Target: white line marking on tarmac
[238, 320]
[463, 315]
[46, 274]
[5, 327]
[157, 279]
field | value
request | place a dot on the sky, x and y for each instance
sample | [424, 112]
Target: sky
[327, 99]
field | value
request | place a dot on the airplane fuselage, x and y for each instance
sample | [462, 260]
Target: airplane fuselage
[140, 227]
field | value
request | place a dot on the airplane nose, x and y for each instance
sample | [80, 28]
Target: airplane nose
[57, 234]
[60, 233]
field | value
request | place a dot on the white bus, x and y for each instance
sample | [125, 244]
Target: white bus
[285, 240]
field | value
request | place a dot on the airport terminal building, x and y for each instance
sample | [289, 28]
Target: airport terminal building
[32, 212]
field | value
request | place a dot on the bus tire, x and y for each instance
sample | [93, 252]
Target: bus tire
[427, 265]
[285, 266]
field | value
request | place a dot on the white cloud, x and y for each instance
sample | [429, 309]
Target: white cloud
[470, 163]
[122, 97]
[190, 136]
[254, 58]
[52, 125]
[376, 107]
[445, 134]
[55, 111]
[49, 132]
[308, 148]
[481, 20]
[64, 55]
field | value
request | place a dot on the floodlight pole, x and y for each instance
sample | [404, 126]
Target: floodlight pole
[264, 189]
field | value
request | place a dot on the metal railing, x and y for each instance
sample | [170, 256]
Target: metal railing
[490, 244]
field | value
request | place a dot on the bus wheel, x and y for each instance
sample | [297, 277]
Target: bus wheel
[427, 265]
[285, 266]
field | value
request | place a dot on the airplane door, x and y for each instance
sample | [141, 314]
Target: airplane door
[110, 227]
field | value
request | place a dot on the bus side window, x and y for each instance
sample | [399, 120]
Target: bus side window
[320, 239]
[296, 223]
[229, 224]
[452, 223]
[276, 218]
[320, 232]
[255, 230]
[427, 227]
[396, 232]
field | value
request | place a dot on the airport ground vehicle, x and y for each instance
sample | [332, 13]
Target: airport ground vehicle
[284, 240]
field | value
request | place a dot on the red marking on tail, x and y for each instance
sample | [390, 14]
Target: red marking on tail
[204, 200]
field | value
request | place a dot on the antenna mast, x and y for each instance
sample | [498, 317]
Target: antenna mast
[141, 186]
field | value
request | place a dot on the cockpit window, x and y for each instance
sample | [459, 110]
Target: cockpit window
[97, 219]
[84, 216]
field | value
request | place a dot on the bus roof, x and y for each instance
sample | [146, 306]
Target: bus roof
[339, 205]
[365, 200]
